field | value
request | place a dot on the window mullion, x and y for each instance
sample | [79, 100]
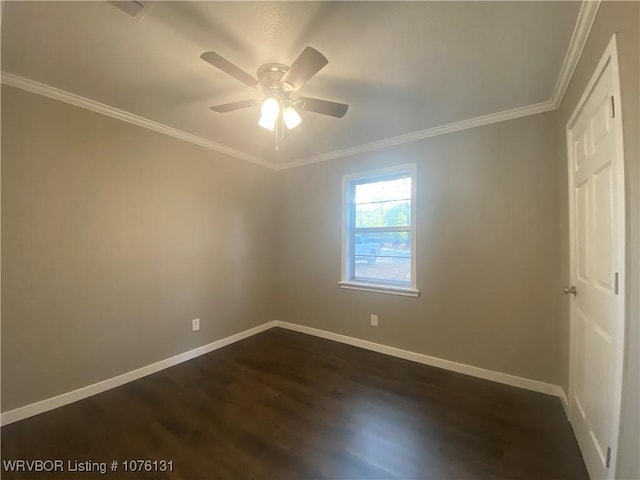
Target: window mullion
[380, 229]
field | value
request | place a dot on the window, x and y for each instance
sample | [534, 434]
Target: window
[378, 233]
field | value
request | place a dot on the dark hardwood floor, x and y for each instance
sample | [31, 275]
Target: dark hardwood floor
[283, 405]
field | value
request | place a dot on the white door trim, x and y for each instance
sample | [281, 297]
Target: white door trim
[609, 58]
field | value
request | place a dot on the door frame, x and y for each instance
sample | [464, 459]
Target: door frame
[609, 58]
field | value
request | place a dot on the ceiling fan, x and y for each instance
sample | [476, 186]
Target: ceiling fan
[279, 84]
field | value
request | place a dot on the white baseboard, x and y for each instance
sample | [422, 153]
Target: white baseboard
[66, 398]
[565, 400]
[84, 392]
[494, 376]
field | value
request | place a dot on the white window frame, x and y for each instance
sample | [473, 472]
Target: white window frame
[348, 281]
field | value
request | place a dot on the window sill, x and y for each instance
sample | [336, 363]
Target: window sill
[373, 287]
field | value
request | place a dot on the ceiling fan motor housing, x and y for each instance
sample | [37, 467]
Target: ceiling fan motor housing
[270, 76]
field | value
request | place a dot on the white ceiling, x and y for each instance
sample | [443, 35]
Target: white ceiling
[402, 67]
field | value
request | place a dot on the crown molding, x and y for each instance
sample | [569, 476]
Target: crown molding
[422, 134]
[581, 31]
[586, 17]
[82, 102]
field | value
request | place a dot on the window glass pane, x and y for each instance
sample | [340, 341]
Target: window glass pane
[393, 189]
[382, 240]
[384, 257]
[396, 270]
[385, 213]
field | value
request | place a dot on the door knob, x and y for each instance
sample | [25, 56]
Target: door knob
[570, 290]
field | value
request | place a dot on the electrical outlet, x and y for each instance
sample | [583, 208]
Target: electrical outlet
[195, 324]
[374, 320]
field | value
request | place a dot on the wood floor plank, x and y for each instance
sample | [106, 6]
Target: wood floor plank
[283, 405]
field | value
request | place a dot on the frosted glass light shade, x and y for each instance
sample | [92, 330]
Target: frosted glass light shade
[267, 122]
[270, 108]
[291, 118]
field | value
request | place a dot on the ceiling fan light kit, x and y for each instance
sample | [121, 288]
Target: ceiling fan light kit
[277, 83]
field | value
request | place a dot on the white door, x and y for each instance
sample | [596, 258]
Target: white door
[596, 183]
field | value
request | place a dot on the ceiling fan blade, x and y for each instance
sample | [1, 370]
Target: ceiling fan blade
[324, 107]
[303, 68]
[229, 68]
[230, 107]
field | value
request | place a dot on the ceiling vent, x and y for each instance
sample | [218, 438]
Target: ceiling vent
[133, 8]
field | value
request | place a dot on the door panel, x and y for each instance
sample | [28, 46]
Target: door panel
[579, 381]
[582, 227]
[600, 120]
[580, 149]
[599, 363]
[602, 192]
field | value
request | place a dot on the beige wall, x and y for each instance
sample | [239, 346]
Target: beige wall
[487, 250]
[115, 237]
[623, 18]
